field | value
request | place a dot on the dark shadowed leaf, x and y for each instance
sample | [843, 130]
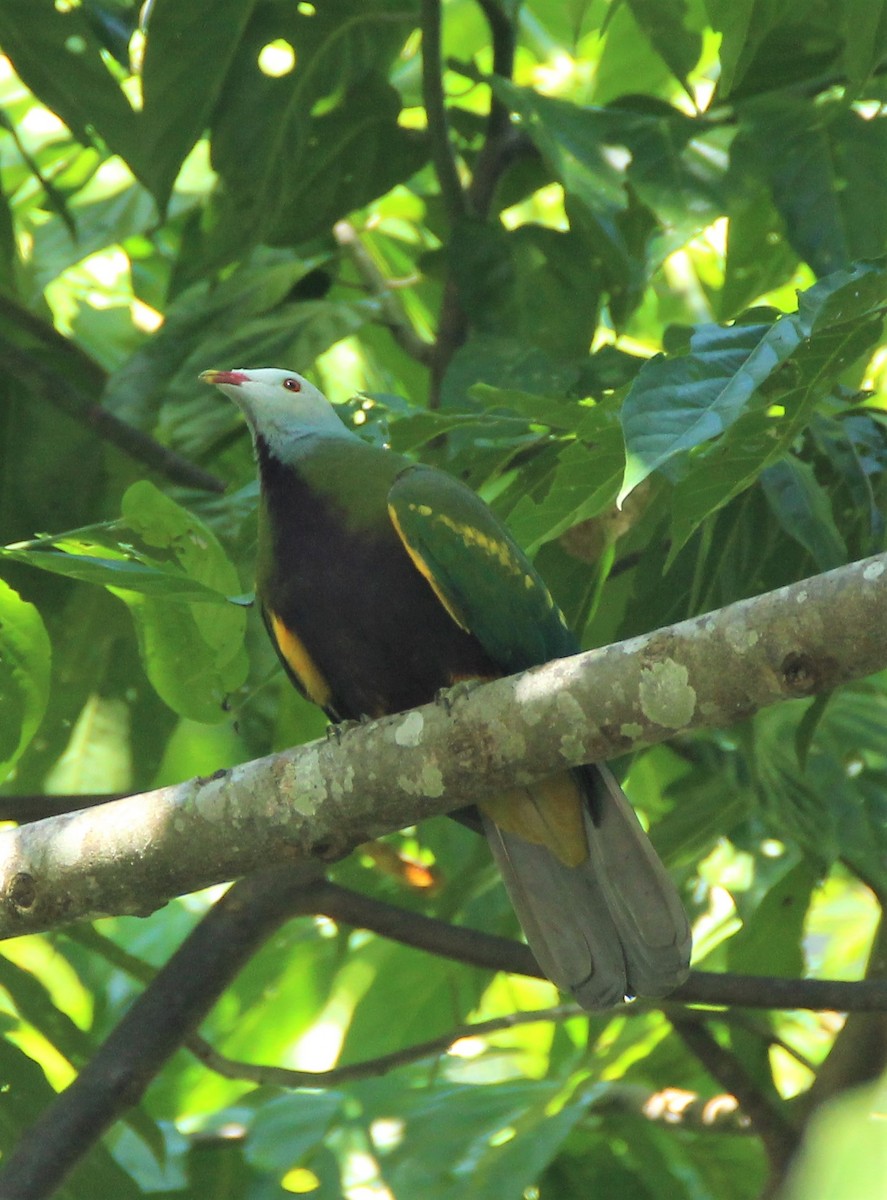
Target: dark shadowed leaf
[188, 52]
[801, 505]
[583, 484]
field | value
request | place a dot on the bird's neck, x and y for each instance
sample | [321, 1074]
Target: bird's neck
[289, 441]
[344, 470]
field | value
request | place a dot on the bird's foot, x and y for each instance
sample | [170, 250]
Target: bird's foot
[449, 697]
[336, 730]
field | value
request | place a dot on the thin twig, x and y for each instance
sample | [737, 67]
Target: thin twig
[372, 1067]
[501, 954]
[759, 1029]
[264, 1074]
[436, 112]
[392, 310]
[768, 1118]
[494, 154]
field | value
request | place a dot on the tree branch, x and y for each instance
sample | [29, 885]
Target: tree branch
[65, 395]
[173, 1005]
[501, 144]
[181, 993]
[859, 1052]
[323, 799]
[268, 1075]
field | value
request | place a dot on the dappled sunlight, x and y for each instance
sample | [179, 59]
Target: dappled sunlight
[564, 257]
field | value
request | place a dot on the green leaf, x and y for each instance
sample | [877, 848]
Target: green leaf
[26, 1095]
[808, 725]
[33, 1002]
[834, 806]
[505, 362]
[664, 23]
[188, 51]
[771, 941]
[735, 374]
[678, 403]
[8, 248]
[500, 1138]
[98, 754]
[199, 322]
[557, 412]
[288, 1128]
[299, 151]
[842, 1148]
[573, 141]
[193, 654]
[855, 447]
[584, 483]
[586, 148]
[825, 170]
[112, 566]
[759, 258]
[409, 433]
[363, 133]
[628, 53]
[743, 25]
[864, 29]
[55, 51]
[732, 465]
[24, 674]
[803, 510]
[177, 583]
[121, 211]
[534, 283]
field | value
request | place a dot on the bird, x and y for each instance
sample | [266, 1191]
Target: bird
[381, 581]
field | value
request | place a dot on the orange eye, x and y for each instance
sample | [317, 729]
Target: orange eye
[292, 385]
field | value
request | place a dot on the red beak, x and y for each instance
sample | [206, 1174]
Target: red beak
[233, 377]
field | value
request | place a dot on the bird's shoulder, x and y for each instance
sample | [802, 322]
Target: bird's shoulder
[479, 572]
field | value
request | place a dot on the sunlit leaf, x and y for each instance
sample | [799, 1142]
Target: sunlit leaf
[24, 674]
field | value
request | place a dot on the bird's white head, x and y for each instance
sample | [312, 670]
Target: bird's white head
[280, 406]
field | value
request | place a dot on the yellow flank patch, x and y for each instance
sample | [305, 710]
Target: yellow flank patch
[421, 565]
[547, 814]
[300, 663]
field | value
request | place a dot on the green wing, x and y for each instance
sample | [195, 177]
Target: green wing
[481, 576]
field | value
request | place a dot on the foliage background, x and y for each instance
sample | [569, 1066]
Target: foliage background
[264, 182]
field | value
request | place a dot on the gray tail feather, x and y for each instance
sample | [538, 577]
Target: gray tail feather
[612, 927]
